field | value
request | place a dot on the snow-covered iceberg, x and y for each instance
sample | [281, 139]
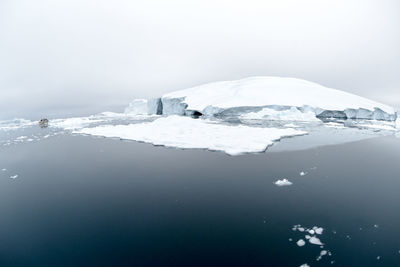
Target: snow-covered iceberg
[255, 95]
[185, 132]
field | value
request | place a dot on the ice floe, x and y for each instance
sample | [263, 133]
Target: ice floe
[315, 240]
[283, 182]
[301, 242]
[304, 265]
[185, 132]
[14, 176]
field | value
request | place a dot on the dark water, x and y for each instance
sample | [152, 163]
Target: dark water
[84, 201]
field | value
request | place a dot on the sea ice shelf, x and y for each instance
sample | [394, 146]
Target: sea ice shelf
[186, 132]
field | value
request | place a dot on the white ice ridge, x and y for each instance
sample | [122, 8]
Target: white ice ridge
[292, 114]
[273, 92]
[186, 132]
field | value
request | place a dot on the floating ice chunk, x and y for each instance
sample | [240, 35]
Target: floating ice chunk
[15, 124]
[319, 230]
[283, 182]
[4, 169]
[14, 176]
[376, 226]
[378, 258]
[315, 240]
[311, 232]
[307, 237]
[304, 265]
[321, 254]
[301, 242]
[185, 132]
[21, 137]
[302, 173]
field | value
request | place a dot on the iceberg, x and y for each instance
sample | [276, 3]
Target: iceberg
[137, 107]
[186, 132]
[271, 97]
[145, 107]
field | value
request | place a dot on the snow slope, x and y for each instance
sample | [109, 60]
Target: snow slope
[277, 93]
[185, 132]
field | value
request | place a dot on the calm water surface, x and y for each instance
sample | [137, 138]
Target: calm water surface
[85, 201]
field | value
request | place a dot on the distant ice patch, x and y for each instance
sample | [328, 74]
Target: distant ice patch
[14, 176]
[283, 182]
[305, 265]
[185, 132]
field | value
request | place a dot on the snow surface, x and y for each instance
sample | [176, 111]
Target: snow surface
[271, 91]
[283, 182]
[185, 132]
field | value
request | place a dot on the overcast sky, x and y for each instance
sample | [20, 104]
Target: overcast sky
[70, 56]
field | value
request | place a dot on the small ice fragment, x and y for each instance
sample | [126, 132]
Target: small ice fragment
[303, 173]
[29, 140]
[300, 242]
[4, 169]
[376, 226]
[301, 229]
[348, 237]
[46, 136]
[14, 176]
[315, 240]
[323, 253]
[290, 240]
[378, 258]
[21, 137]
[305, 265]
[319, 230]
[332, 262]
[311, 232]
[307, 237]
[283, 182]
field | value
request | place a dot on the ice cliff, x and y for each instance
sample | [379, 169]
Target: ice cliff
[262, 96]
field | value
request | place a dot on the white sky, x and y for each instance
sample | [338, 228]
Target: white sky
[58, 57]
